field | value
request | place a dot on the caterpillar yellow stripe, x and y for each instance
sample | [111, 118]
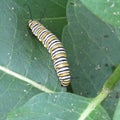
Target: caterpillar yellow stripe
[55, 48]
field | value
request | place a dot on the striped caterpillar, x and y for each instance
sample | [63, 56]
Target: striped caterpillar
[55, 48]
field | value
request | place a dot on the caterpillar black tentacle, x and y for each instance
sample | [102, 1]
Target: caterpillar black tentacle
[55, 48]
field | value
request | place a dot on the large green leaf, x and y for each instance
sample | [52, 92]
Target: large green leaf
[21, 53]
[57, 106]
[107, 10]
[93, 51]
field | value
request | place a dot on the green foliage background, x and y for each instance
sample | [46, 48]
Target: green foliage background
[92, 40]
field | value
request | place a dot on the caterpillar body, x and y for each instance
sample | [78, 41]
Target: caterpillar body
[55, 48]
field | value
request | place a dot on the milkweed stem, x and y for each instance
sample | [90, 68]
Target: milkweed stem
[108, 86]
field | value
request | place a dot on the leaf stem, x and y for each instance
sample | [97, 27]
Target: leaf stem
[113, 79]
[108, 86]
[25, 79]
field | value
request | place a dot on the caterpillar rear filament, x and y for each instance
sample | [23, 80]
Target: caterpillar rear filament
[55, 48]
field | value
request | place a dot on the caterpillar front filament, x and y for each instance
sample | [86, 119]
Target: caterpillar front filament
[55, 48]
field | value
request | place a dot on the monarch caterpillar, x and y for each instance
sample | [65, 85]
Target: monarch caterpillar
[55, 48]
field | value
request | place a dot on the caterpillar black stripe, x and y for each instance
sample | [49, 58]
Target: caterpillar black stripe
[55, 48]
